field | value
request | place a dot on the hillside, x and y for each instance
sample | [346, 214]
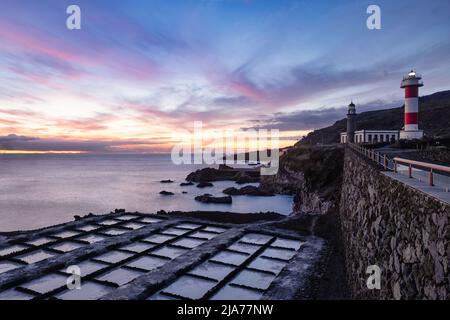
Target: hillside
[434, 119]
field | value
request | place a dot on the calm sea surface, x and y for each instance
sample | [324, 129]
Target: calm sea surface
[42, 190]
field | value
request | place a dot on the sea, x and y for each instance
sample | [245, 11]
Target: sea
[39, 190]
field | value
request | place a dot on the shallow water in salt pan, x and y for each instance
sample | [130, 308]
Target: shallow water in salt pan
[212, 270]
[120, 276]
[230, 257]
[254, 279]
[46, 284]
[13, 294]
[236, 293]
[67, 246]
[190, 287]
[147, 263]
[169, 252]
[113, 256]
[88, 291]
[35, 256]
[138, 247]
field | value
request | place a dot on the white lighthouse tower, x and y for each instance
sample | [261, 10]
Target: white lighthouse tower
[411, 84]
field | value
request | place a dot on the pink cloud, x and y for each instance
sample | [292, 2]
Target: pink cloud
[31, 44]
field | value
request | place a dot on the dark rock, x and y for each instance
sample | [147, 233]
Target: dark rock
[184, 192]
[119, 211]
[204, 185]
[224, 173]
[184, 184]
[248, 191]
[225, 167]
[166, 193]
[243, 177]
[210, 174]
[77, 217]
[211, 199]
[166, 181]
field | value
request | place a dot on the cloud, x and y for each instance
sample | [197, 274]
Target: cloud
[13, 142]
[98, 122]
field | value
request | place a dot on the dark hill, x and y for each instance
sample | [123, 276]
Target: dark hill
[434, 119]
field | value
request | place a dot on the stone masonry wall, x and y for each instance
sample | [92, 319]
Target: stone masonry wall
[402, 230]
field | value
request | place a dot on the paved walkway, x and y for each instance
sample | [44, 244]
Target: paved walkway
[436, 192]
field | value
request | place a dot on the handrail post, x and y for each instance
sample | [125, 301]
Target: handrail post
[410, 171]
[395, 166]
[385, 162]
[430, 178]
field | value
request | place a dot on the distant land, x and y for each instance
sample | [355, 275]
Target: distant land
[434, 119]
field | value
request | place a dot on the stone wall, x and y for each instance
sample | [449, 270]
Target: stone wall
[402, 230]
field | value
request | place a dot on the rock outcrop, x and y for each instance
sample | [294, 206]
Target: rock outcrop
[204, 184]
[247, 191]
[244, 177]
[210, 199]
[224, 173]
[312, 174]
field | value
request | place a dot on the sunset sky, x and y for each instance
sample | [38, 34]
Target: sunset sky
[138, 70]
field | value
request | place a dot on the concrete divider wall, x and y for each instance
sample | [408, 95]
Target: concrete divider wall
[400, 229]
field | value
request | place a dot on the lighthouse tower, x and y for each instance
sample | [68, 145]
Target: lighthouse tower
[411, 84]
[351, 115]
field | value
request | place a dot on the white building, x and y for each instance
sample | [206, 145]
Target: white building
[372, 136]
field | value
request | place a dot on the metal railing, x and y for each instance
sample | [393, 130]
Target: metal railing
[421, 171]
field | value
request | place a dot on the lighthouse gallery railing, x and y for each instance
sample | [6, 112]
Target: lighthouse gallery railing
[421, 171]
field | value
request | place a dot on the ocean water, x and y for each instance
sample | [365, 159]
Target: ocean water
[41, 190]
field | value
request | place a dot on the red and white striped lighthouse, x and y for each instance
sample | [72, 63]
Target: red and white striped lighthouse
[411, 84]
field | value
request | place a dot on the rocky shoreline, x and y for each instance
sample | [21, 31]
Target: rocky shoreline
[203, 178]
